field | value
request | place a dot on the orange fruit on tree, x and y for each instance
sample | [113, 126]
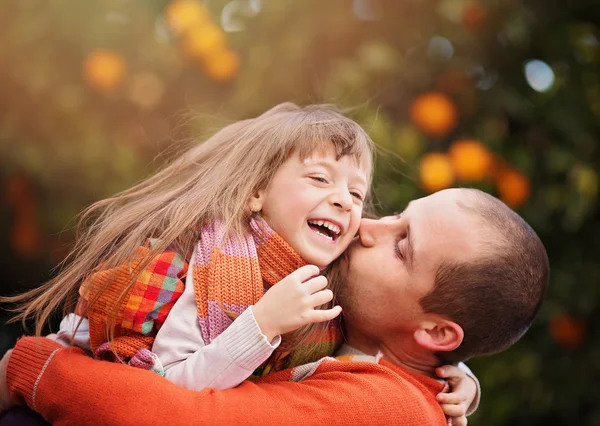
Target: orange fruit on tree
[221, 65]
[202, 40]
[434, 113]
[19, 192]
[474, 16]
[181, 15]
[436, 172]
[104, 69]
[567, 331]
[514, 187]
[25, 236]
[471, 160]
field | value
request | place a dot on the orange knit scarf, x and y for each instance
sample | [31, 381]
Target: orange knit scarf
[232, 273]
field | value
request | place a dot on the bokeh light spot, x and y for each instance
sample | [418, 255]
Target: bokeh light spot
[440, 49]
[539, 75]
[436, 172]
[434, 113]
[367, 10]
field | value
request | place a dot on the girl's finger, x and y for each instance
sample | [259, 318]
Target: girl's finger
[459, 421]
[449, 398]
[453, 410]
[305, 272]
[449, 371]
[321, 297]
[322, 315]
[315, 284]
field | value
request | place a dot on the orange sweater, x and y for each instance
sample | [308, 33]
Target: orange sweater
[69, 388]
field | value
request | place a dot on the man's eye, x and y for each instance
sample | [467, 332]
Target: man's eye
[398, 250]
[319, 179]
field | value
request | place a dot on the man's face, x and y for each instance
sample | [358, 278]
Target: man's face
[393, 263]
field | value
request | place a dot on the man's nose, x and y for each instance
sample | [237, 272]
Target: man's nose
[342, 199]
[367, 232]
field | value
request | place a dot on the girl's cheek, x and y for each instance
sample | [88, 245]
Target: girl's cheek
[357, 213]
[354, 225]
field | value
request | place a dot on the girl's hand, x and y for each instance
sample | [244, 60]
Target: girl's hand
[5, 400]
[462, 393]
[290, 303]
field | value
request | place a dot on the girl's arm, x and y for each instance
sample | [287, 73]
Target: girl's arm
[232, 357]
[226, 362]
[74, 330]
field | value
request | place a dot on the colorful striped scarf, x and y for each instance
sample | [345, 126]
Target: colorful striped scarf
[232, 273]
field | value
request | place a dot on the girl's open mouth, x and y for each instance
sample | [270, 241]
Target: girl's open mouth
[325, 228]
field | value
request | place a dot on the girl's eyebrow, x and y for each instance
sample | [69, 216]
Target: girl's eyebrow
[322, 163]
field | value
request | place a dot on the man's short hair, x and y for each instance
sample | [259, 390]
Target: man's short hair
[495, 297]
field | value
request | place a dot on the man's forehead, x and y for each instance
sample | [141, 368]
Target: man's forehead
[448, 232]
[439, 212]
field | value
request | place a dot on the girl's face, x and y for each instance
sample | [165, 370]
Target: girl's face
[316, 204]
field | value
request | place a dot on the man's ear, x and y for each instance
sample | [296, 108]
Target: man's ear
[256, 200]
[439, 335]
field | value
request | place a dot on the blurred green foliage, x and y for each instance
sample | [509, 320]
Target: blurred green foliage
[92, 94]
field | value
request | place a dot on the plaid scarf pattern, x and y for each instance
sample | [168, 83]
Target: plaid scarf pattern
[144, 308]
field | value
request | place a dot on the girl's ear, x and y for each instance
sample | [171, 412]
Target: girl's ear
[256, 200]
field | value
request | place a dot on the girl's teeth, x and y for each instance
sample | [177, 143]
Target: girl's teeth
[324, 235]
[333, 228]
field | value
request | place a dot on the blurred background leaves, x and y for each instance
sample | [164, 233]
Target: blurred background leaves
[502, 95]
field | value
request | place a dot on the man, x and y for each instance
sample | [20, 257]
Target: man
[457, 274]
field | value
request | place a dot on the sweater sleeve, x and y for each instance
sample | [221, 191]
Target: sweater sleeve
[74, 330]
[475, 404]
[68, 388]
[225, 363]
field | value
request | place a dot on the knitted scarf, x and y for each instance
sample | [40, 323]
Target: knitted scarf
[232, 273]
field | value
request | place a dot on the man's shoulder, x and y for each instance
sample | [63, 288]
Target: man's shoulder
[407, 395]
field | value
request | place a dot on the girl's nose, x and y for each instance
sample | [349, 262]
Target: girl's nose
[342, 199]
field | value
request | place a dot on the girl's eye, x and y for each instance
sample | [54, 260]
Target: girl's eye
[357, 195]
[319, 179]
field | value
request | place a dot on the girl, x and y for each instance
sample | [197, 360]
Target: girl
[274, 199]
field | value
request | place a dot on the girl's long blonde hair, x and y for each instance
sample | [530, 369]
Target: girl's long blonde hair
[211, 181]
